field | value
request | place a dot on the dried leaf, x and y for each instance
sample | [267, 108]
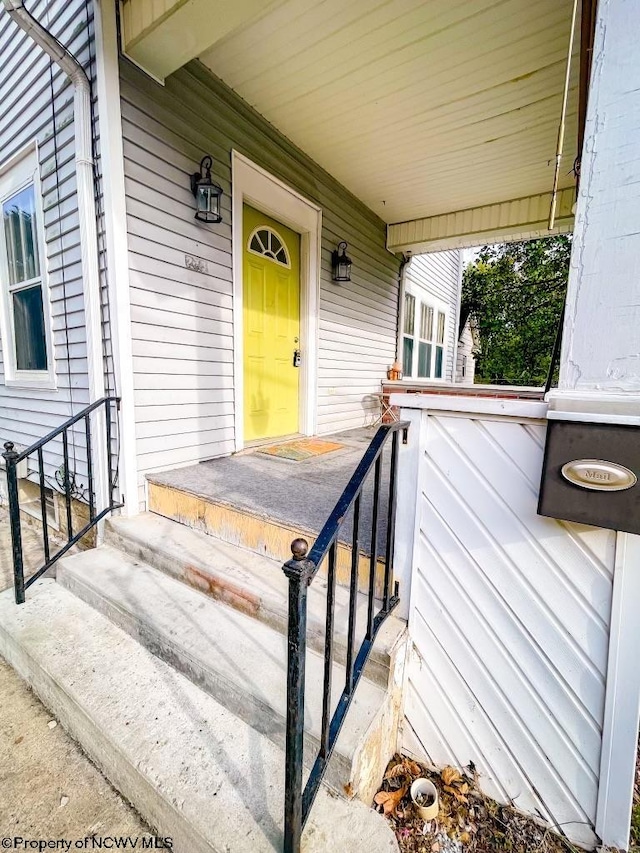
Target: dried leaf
[413, 767]
[450, 775]
[389, 800]
[398, 770]
[459, 792]
[435, 847]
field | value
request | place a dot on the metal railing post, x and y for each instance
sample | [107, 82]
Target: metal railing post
[299, 571]
[97, 510]
[10, 457]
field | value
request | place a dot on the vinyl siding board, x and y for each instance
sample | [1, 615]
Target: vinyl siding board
[510, 619]
[183, 320]
[437, 274]
[28, 113]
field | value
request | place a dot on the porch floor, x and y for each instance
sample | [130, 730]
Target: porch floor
[298, 494]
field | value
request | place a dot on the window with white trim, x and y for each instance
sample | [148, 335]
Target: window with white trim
[408, 330]
[423, 341]
[26, 325]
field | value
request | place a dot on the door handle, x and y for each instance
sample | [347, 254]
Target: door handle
[296, 357]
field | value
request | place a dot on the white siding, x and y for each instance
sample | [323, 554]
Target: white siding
[466, 349]
[509, 618]
[183, 319]
[438, 274]
[27, 113]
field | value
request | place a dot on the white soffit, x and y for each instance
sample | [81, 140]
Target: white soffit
[162, 35]
[419, 108]
[518, 219]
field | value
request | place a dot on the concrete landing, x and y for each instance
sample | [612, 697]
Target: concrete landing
[299, 495]
[194, 770]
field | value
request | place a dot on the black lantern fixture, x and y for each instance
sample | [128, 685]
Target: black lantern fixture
[206, 192]
[341, 263]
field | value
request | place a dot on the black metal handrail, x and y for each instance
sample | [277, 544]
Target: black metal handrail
[12, 458]
[301, 571]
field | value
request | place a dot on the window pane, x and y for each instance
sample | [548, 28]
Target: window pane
[409, 313]
[18, 214]
[407, 356]
[441, 318]
[426, 323]
[276, 245]
[424, 360]
[438, 369]
[28, 320]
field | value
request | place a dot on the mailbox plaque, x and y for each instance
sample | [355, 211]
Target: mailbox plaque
[591, 474]
[598, 475]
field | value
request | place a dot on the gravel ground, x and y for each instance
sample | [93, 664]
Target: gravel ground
[49, 789]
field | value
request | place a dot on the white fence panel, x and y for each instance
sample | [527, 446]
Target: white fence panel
[509, 617]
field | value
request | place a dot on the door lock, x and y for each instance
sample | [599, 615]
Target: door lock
[296, 357]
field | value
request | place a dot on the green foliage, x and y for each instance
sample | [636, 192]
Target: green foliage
[515, 293]
[635, 828]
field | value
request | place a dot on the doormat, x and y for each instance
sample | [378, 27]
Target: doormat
[305, 448]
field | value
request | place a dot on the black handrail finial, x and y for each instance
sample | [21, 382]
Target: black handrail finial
[299, 548]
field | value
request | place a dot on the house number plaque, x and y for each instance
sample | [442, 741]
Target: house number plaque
[598, 475]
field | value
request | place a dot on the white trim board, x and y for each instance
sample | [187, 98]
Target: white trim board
[253, 185]
[115, 224]
[622, 701]
[530, 409]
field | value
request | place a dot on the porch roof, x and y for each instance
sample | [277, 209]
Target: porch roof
[442, 116]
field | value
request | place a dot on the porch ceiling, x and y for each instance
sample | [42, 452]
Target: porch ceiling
[419, 108]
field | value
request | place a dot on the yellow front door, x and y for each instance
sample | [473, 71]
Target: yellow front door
[271, 307]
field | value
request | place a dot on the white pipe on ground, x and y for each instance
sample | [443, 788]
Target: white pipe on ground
[87, 214]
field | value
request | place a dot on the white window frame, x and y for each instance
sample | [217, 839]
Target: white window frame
[439, 307]
[17, 173]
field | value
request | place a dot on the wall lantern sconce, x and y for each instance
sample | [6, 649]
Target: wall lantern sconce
[341, 263]
[206, 192]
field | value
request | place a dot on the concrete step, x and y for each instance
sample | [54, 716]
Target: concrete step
[252, 584]
[194, 771]
[238, 660]
[260, 531]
